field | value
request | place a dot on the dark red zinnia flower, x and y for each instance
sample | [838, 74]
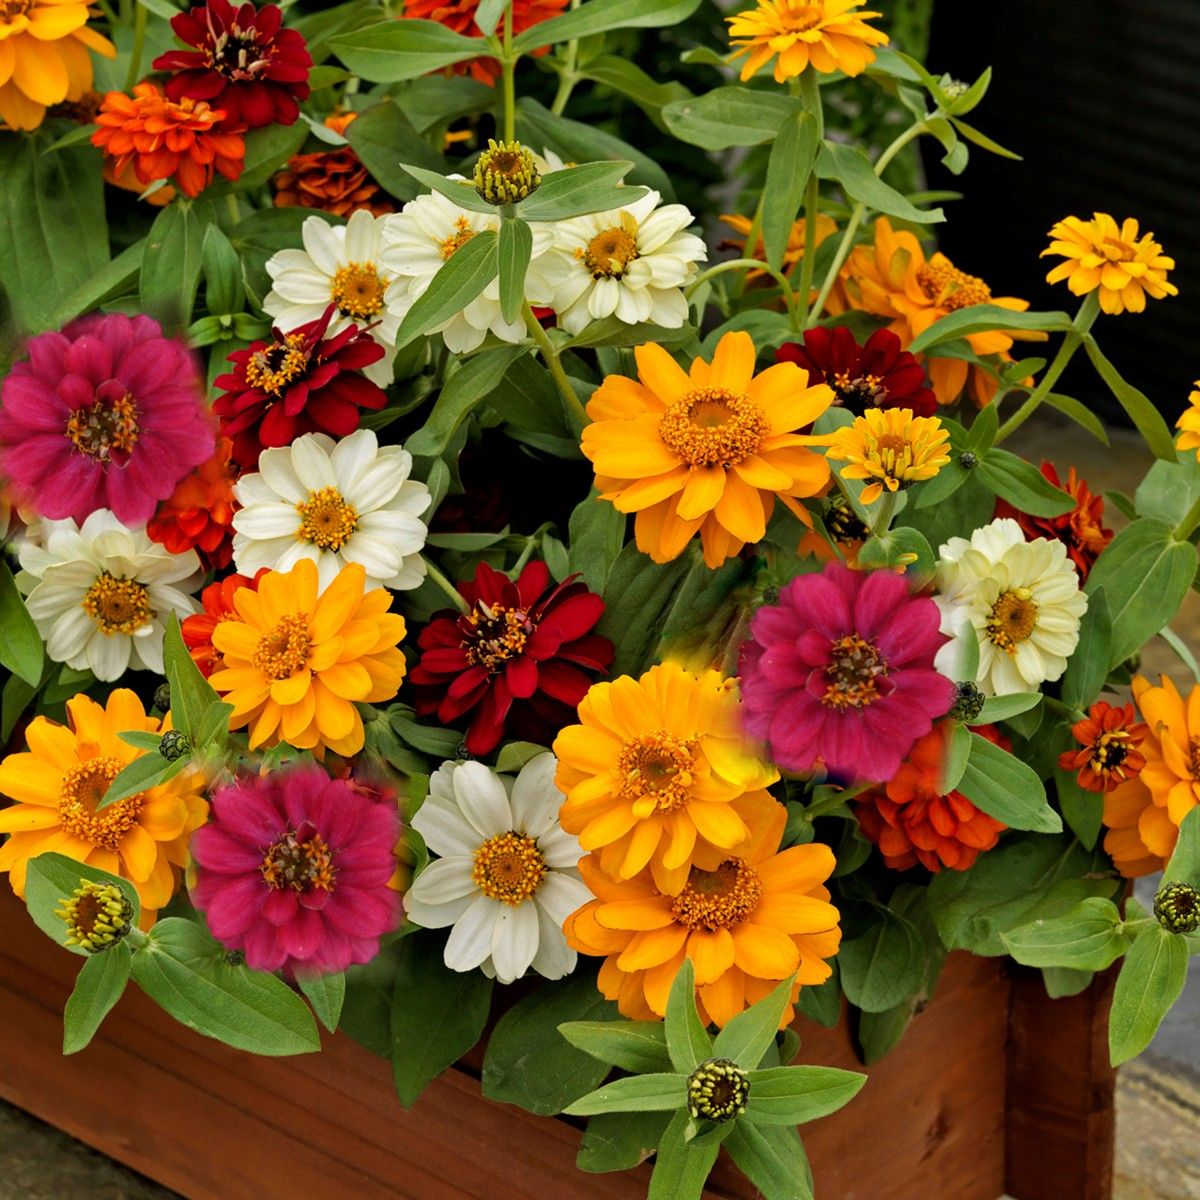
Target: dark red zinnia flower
[517, 662]
[297, 383]
[877, 374]
[243, 62]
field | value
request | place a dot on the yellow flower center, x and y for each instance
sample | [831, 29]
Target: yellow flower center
[493, 636]
[1012, 618]
[102, 428]
[96, 915]
[326, 519]
[118, 605]
[799, 18]
[1109, 750]
[272, 369]
[83, 787]
[711, 427]
[300, 860]
[950, 288]
[11, 9]
[358, 290]
[287, 648]
[657, 771]
[462, 234]
[1117, 250]
[506, 173]
[718, 899]
[509, 867]
[1194, 757]
[609, 253]
[842, 521]
[853, 672]
[863, 391]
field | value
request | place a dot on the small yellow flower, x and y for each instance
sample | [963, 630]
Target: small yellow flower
[1100, 256]
[1189, 422]
[890, 447]
[793, 252]
[827, 35]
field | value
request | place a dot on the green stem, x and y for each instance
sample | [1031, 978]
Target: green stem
[555, 367]
[231, 206]
[1189, 524]
[812, 208]
[885, 510]
[568, 79]
[452, 593]
[737, 264]
[508, 66]
[753, 238]
[139, 42]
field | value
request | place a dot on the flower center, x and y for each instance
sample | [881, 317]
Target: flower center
[105, 430]
[509, 867]
[506, 173]
[657, 771]
[83, 787]
[272, 369]
[96, 915]
[1117, 250]
[1012, 618]
[358, 289]
[118, 605]
[609, 253]
[1194, 757]
[237, 54]
[11, 9]
[717, 1090]
[852, 675]
[493, 636]
[462, 234]
[711, 427]
[799, 18]
[842, 521]
[326, 520]
[300, 860]
[718, 899]
[861, 392]
[1110, 750]
[950, 288]
[283, 651]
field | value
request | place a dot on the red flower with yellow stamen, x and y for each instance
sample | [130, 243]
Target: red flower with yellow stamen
[1109, 735]
[198, 515]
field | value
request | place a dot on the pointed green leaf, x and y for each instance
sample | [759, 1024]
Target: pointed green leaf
[1151, 980]
[681, 1168]
[883, 966]
[326, 994]
[1087, 938]
[1006, 788]
[658, 1092]
[773, 1160]
[392, 50]
[688, 1042]
[984, 318]
[746, 1038]
[1000, 708]
[51, 878]
[636, 1046]
[99, 986]
[459, 280]
[730, 116]
[1022, 484]
[598, 16]
[1088, 667]
[851, 168]
[514, 247]
[1184, 865]
[788, 169]
[574, 191]
[793, 1095]
[619, 1141]
[1136, 404]
[20, 643]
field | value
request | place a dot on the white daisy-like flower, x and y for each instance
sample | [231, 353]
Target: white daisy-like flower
[418, 242]
[333, 502]
[507, 876]
[101, 594]
[1021, 600]
[633, 262]
[342, 265]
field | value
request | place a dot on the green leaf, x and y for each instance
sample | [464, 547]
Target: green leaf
[326, 994]
[687, 1041]
[883, 966]
[681, 1166]
[172, 260]
[1022, 484]
[823, 1002]
[213, 728]
[636, 1046]
[999, 708]
[851, 168]
[1169, 489]
[612, 331]
[191, 694]
[186, 972]
[393, 50]
[99, 986]
[51, 878]
[1083, 811]
[459, 191]
[746, 1037]
[898, 547]
[794, 1095]
[223, 293]
[1079, 413]
[1086, 938]
[773, 1160]
[1088, 667]
[657, 1092]
[984, 318]
[459, 280]
[118, 276]
[1006, 788]
[878, 1034]
[637, 595]
[630, 80]
[596, 534]
[1137, 406]
[528, 1062]
[383, 137]
[488, 14]
[514, 248]
[20, 643]
[1063, 981]
[1184, 865]
[619, 1141]
[575, 191]
[600, 16]
[1151, 980]
[144, 772]
[730, 116]
[788, 170]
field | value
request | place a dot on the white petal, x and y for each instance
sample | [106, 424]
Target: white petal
[440, 822]
[482, 799]
[535, 799]
[444, 880]
[514, 940]
[559, 848]
[437, 916]
[352, 455]
[108, 656]
[275, 467]
[470, 940]
[260, 522]
[554, 958]
[561, 894]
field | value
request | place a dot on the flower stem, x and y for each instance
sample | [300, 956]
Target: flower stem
[737, 264]
[139, 42]
[811, 213]
[1189, 524]
[885, 510]
[231, 206]
[568, 79]
[555, 367]
[508, 66]
[452, 593]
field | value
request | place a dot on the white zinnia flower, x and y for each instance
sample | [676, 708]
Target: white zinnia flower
[100, 595]
[507, 878]
[1020, 599]
[634, 262]
[421, 238]
[342, 265]
[335, 503]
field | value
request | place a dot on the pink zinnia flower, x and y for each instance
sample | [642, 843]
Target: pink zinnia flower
[293, 869]
[840, 671]
[106, 414]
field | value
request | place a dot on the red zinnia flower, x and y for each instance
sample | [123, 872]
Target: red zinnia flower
[911, 821]
[1109, 735]
[1081, 530]
[297, 383]
[517, 662]
[198, 515]
[197, 630]
[243, 63]
[877, 374]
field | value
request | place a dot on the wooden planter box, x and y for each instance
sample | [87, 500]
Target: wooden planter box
[994, 1089]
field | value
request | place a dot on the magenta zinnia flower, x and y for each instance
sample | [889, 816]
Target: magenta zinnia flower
[840, 672]
[293, 868]
[106, 414]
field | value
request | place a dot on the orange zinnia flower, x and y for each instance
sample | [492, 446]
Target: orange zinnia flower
[197, 630]
[1109, 735]
[793, 251]
[167, 140]
[1134, 823]
[198, 515]
[332, 180]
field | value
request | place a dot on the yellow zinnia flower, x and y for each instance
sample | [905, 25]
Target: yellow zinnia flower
[793, 252]
[827, 35]
[660, 773]
[297, 660]
[1100, 256]
[44, 57]
[1189, 422]
[890, 447]
[706, 451]
[64, 774]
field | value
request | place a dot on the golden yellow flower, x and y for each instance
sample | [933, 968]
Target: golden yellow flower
[705, 451]
[44, 57]
[827, 35]
[298, 660]
[659, 773]
[1100, 256]
[58, 782]
[890, 447]
[793, 252]
[1189, 422]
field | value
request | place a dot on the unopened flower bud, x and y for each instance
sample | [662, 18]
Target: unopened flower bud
[968, 702]
[717, 1090]
[1177, 907]
[162, 697]
[174, 744]
[506, 173]
[954, 88]
[968, 461]
[96, 915]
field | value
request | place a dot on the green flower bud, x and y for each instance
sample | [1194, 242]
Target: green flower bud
[162, 697]
[717, 1090]
[968, 461]
[96, 915]
[506, 173]
[968, 703]
[1177, 907]
[174, 744]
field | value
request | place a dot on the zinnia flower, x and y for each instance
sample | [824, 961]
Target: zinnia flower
[1020, 599]
[912, 821]
[840, 671]
[506, 878]
[243, 63]
[1189, 422]
[891, 448]
[301, 658]
[293, 868]
[164, 139]
[877, 374]
[1113, 260]
[659, 772]
[197, 630]
[706, 451]
[198, 514]
[826, 35]
[44, 57]
[517, 662]
[746, 922]
[1081, 530]
[1110, 735]
[335, 180]
[106, 414]
[794, 250]
[1135, 823]
[58, 782]
[100, 594]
